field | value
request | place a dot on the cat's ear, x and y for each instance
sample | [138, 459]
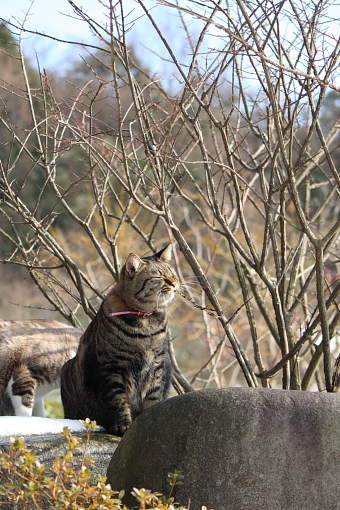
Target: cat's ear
[165, 254]
[132, 264]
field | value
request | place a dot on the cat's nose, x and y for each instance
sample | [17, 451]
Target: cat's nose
[173, 282]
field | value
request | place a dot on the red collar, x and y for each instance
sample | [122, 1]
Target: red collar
[135, 312]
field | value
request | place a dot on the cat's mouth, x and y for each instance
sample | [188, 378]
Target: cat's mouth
[172, 286]
[167, 294]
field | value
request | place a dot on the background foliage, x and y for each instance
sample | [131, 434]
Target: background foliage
[236, 165]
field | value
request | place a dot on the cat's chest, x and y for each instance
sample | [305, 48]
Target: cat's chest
[143, 363]
[143, 343]
[139, 379]
[135, 359]
[148, 361]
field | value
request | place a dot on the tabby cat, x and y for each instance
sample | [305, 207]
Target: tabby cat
[122, 365]
[32, 353]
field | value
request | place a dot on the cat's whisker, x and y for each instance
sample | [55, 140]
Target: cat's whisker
[209, 311]
[193, 276]
[186, 286]
[193, 284]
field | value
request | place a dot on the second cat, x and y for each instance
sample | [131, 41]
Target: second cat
[32, 353]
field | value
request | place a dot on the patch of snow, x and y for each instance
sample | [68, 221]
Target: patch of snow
[27, 426]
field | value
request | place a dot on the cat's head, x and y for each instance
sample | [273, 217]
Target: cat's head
[149, 283]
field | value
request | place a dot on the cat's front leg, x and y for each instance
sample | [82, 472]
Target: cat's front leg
[117, 430]
[152, 397]
[20, 389]
[119, 421]
[117, 418]
[158, 387]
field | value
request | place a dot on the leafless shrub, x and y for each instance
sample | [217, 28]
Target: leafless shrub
[238, 168]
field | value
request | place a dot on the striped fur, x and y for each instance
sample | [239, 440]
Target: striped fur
[122, 365]
[32, 353]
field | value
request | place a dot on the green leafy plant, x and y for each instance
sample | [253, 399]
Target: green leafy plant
[147, 499]
[174, 479]
[25, 481]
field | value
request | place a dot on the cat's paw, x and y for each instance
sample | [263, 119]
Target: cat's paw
[118, 430]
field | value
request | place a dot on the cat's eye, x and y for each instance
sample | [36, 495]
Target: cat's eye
[170, 280]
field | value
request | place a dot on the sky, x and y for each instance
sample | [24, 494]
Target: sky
[57, 19]
[54, 18]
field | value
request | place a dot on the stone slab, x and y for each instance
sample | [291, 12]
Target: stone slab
[100, 448]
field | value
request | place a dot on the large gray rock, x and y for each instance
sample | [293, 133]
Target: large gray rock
[238, 449]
